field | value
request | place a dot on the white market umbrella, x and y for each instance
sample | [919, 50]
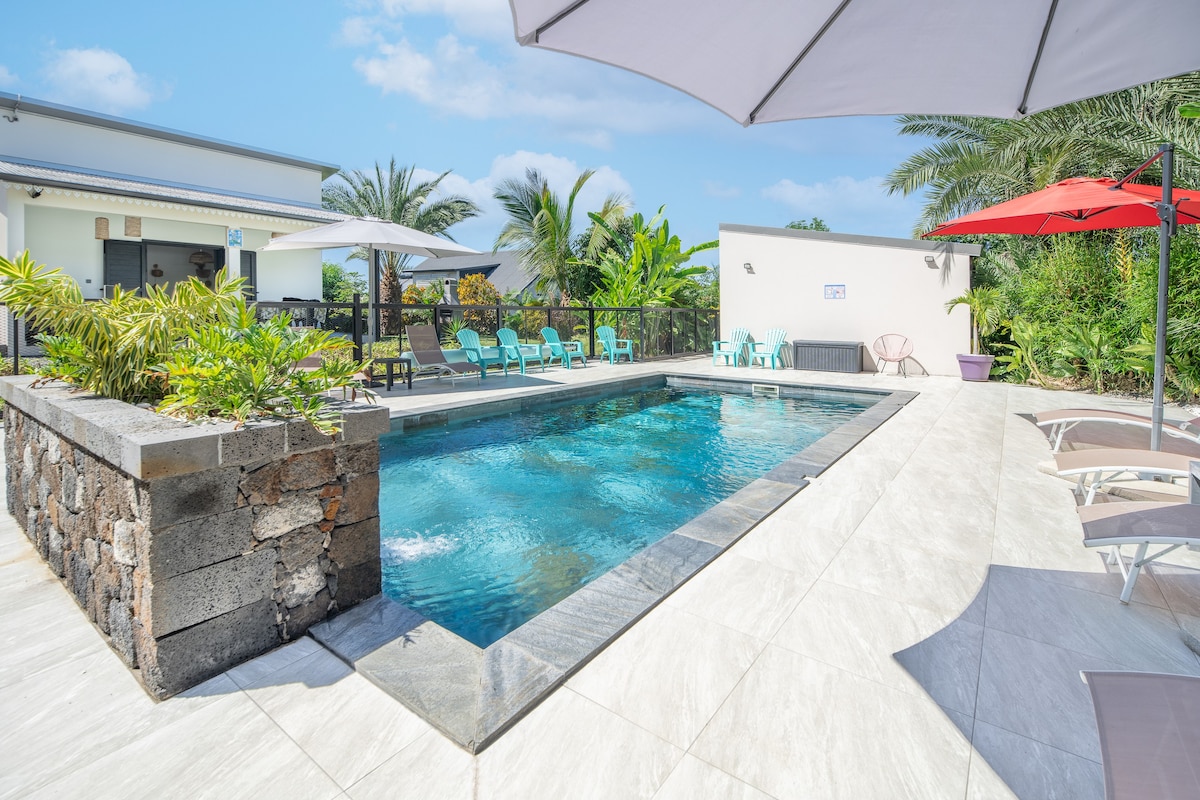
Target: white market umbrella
[374, 235]
[771, 60]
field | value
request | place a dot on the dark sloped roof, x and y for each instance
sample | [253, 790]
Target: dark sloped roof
[507, 273]
[45, 175]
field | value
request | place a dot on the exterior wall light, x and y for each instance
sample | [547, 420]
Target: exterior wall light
[931, 262]
[749, 268]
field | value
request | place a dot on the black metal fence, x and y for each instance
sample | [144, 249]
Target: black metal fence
[656, 332]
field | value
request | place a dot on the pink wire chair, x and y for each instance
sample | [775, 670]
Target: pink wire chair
[892, 347]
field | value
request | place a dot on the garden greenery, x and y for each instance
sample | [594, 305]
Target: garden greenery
[194, 351]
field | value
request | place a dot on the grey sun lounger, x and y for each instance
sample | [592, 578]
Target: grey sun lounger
[1103, 466]
[1149, 726]
[1060, 421]
[427, 355]
[1170, 525]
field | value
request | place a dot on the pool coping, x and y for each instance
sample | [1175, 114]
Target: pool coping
[474, 695]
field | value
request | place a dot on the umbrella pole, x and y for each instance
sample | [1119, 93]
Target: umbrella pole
[372, 293]
[1166, 229]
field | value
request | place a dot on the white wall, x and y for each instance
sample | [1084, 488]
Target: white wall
[65, 237]
[93, 147]
[888, 289]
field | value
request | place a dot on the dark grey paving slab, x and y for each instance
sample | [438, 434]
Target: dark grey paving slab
[433, 672]
[794, 471]
[366, 627]
[721, 525]
[763, 496]
[511, 681]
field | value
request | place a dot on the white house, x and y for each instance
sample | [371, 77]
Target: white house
[112, 201]
[845, 288]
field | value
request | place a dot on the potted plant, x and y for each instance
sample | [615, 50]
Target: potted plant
[986, 305]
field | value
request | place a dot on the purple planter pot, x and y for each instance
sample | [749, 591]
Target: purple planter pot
[974, 368]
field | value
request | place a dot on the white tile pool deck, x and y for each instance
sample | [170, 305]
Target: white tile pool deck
[911, 624]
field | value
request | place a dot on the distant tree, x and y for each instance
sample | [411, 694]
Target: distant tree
[814, 224]
[476, 290]
[339, 285]
[394, 195]
[540, 224]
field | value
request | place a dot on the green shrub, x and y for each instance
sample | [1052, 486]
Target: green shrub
[238, 368]
[194, 351]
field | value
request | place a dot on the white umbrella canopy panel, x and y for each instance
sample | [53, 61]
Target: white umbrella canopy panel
[374, 235]
[768, 60]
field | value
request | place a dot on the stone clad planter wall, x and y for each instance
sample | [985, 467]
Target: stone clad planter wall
[194, 547]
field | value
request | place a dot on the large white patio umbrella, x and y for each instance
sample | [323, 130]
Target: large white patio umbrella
[770, 60]
[374, 235]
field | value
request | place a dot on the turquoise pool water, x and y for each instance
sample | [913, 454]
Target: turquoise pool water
[486, 523]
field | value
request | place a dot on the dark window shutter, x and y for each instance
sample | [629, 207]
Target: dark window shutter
[123, 264]
[250, 272]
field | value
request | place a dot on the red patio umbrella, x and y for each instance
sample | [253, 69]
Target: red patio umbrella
[1089, 204]
[1076, 204]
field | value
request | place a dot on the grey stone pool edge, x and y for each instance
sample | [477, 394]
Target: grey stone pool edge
[473, 695]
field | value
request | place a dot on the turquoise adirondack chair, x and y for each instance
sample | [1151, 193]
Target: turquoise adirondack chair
[734, 347]
[613, 347]
[478, 354]
[770, 347]
[565, 352]
[512, 350]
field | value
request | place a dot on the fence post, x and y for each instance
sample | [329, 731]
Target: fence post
[499, 315]
[437, 328]
[16, 345]
[671, 332]
[591, 331]
[696, 330]
[356, 327]
[642, 331]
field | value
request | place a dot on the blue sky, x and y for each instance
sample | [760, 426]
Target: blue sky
[443, 85]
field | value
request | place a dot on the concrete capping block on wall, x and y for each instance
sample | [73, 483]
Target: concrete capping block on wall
[149, 446]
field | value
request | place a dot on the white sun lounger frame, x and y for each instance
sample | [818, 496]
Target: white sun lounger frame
[1143, 540]
[1061, 421]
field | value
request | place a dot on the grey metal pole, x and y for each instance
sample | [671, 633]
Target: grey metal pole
[1166, 229]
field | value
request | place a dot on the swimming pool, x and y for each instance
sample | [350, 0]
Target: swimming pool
[487, 522]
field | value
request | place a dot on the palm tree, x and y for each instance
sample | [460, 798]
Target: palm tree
[978, 161]
[393, 195]
[539, 227]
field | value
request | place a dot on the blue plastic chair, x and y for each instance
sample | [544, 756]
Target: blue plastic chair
[613, 347]
[770, 347]
[734, 347]
[565, 352]
[478, 354]
[512, 349]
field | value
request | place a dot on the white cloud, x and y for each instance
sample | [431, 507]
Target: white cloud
[586, 101]
[98, 79]
[827, 197]
[7, 78]
[718, 189]
[483, 18]
[357, 32]
[847, 204]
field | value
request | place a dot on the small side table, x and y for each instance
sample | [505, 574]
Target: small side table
[390, 364]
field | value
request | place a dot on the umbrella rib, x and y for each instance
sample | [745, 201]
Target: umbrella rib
[803, 54]
[1037, 59]
[557, 18]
